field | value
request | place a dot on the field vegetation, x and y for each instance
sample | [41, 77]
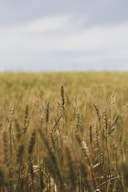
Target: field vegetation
[64, 132]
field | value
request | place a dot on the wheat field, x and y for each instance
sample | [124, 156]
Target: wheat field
[64, 132]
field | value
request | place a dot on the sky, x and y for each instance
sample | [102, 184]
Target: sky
[68, 35]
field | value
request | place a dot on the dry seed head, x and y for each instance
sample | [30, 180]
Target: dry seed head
[105, 120]
[41, 179]
[90, 134]
[101, 159]
[51, 137]
[36, 168]
[96, 134]
[79, 123]
[30, 168]
[19, 154]
[31, 143]
[11, 110]
[26, 111]
[113, 100]
[47, 112]
[97, 113]
[84, 147]
[18, 130]
[26, 118]
[5, 147]
[114, 121]
[62, 96]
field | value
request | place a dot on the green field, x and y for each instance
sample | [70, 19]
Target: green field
[64, 132]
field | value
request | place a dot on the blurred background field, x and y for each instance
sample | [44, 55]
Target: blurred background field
[99, 85]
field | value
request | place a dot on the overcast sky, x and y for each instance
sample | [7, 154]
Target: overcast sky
[54, 35]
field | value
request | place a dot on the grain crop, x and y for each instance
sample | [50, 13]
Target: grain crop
[64, 132]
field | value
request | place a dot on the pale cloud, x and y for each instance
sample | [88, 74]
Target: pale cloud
[48, 24]
[42, 41]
